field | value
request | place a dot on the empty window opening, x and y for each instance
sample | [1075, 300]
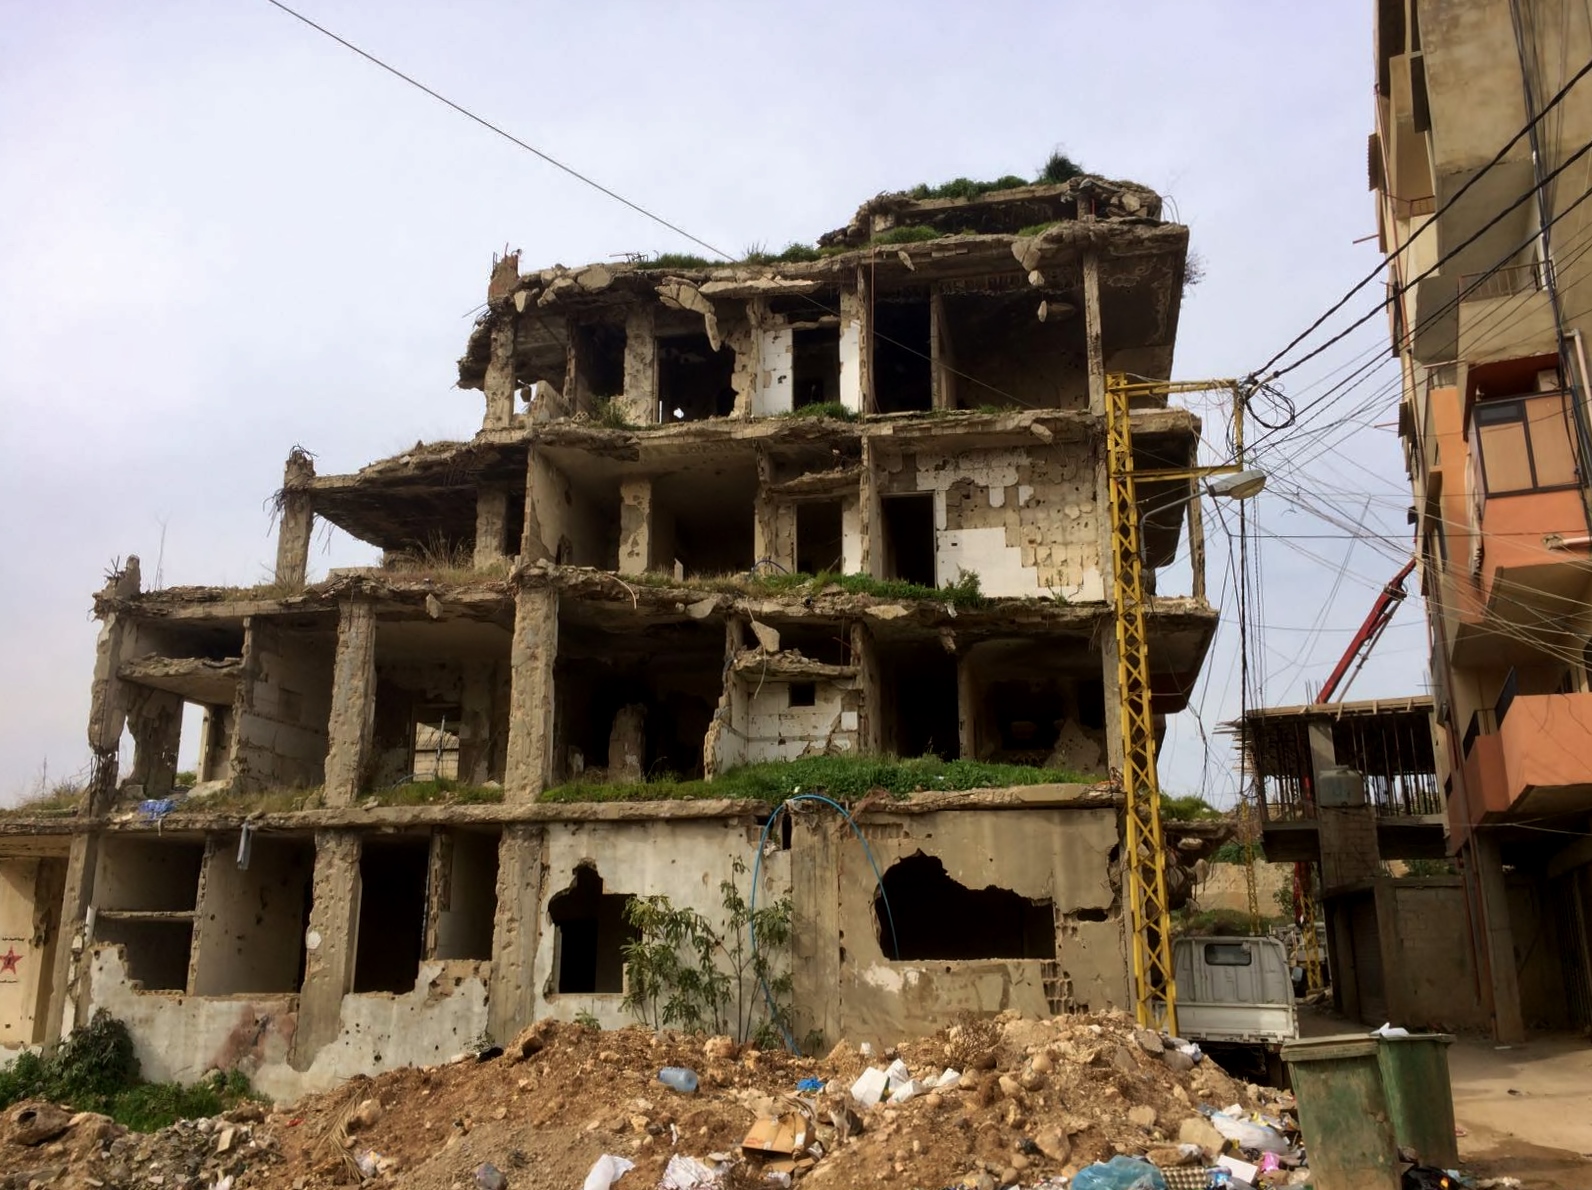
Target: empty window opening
[145, 895]
[694, 381]
[157, 950]
[918, 696]
[601, 353]
[901, 356]
[815, 371]
[590, 933]
[434, 755]
[803, 694]
[1026, 716]
[818, 547]
[669, 677]
[1006, 358]
[465, 894]
[256, 909]
[909, 538]
[937, 918]
[392, 914]
[703, 521]
[514, 525]
[828, 643]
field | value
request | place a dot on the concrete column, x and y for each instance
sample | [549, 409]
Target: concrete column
[1094, 351]
[1111, 680]
[353, 716]
[635, 526]
[331, 943]
[107, 714]
[295, 520]
[865, 656]
[863, 310]
[516, 932]
[475, 721]
[1196, 541]
[156, 724]
[1498, 939]
[765, 535]
[499, 381]
[68, 998]
[641, 364]
[967, 706]
[942, 374]
[213, 744]
[491, 525]
[530, 756]
[1340, 956]
[870, 515]
[816, 848]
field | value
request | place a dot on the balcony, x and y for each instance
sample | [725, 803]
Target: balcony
[1532, 754]
[1505, 314]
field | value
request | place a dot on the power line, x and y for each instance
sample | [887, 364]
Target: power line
[1431, 220]
[506, 135]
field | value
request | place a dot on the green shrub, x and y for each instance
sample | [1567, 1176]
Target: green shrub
[910, 234]
[677, 260]
[1059, 168]
[96, 1069]
[832, 409]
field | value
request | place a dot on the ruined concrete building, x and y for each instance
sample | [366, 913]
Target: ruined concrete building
[601, 587]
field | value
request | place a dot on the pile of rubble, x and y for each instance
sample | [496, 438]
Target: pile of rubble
[982, 1104]
[42, 1144]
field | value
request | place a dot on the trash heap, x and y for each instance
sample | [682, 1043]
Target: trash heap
[1085, 1101]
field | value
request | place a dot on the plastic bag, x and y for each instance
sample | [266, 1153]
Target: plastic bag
[1120, 1173]
[605, 1171]
[1257, 1138]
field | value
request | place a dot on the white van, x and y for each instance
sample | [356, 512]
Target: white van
[1236, 991]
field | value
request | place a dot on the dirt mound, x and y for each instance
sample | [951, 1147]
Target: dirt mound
[1030, 1098]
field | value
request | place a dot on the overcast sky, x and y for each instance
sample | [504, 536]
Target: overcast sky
[222, 234]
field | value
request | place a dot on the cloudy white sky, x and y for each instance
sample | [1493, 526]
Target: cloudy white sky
[223, 234]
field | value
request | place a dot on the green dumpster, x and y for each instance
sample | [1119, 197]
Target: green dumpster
[1343, 1113]
[1419, 1095]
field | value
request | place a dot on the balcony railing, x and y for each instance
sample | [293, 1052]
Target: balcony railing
[1502, 282]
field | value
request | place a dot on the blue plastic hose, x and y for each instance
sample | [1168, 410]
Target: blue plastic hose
[757, 867]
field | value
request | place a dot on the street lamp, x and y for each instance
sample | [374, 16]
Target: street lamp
[1239, 485]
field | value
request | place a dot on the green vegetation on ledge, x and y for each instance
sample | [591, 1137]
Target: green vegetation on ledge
[438, 792]
[964, 593]
[833, 776]
[832, 409]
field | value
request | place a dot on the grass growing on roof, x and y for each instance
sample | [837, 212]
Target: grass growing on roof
[832, 409]
[966, 187]
[840, 777]
[1188, 808]
[677, 260]
[910, 234]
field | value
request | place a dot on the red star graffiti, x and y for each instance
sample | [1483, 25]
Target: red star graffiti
[9, 961]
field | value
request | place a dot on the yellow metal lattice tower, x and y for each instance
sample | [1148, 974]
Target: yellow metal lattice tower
[1144, 862]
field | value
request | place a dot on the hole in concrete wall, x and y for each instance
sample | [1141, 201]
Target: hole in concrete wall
[156, 951]
[818, 547]
[802, 694]
[901, 356]
[918, 701]
[815, 371]
[601, 351]
[434, 754]
[694, 379]
[674, 673]
[909, 538]
[514, 524]
[937, 918]
[467, 894]
[590, 933]
[392, 914]
[251, 930]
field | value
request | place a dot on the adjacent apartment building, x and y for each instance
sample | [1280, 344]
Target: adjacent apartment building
[1492, 303]
[849, 502]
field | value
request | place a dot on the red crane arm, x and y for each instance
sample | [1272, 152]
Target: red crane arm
[1370, 632]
